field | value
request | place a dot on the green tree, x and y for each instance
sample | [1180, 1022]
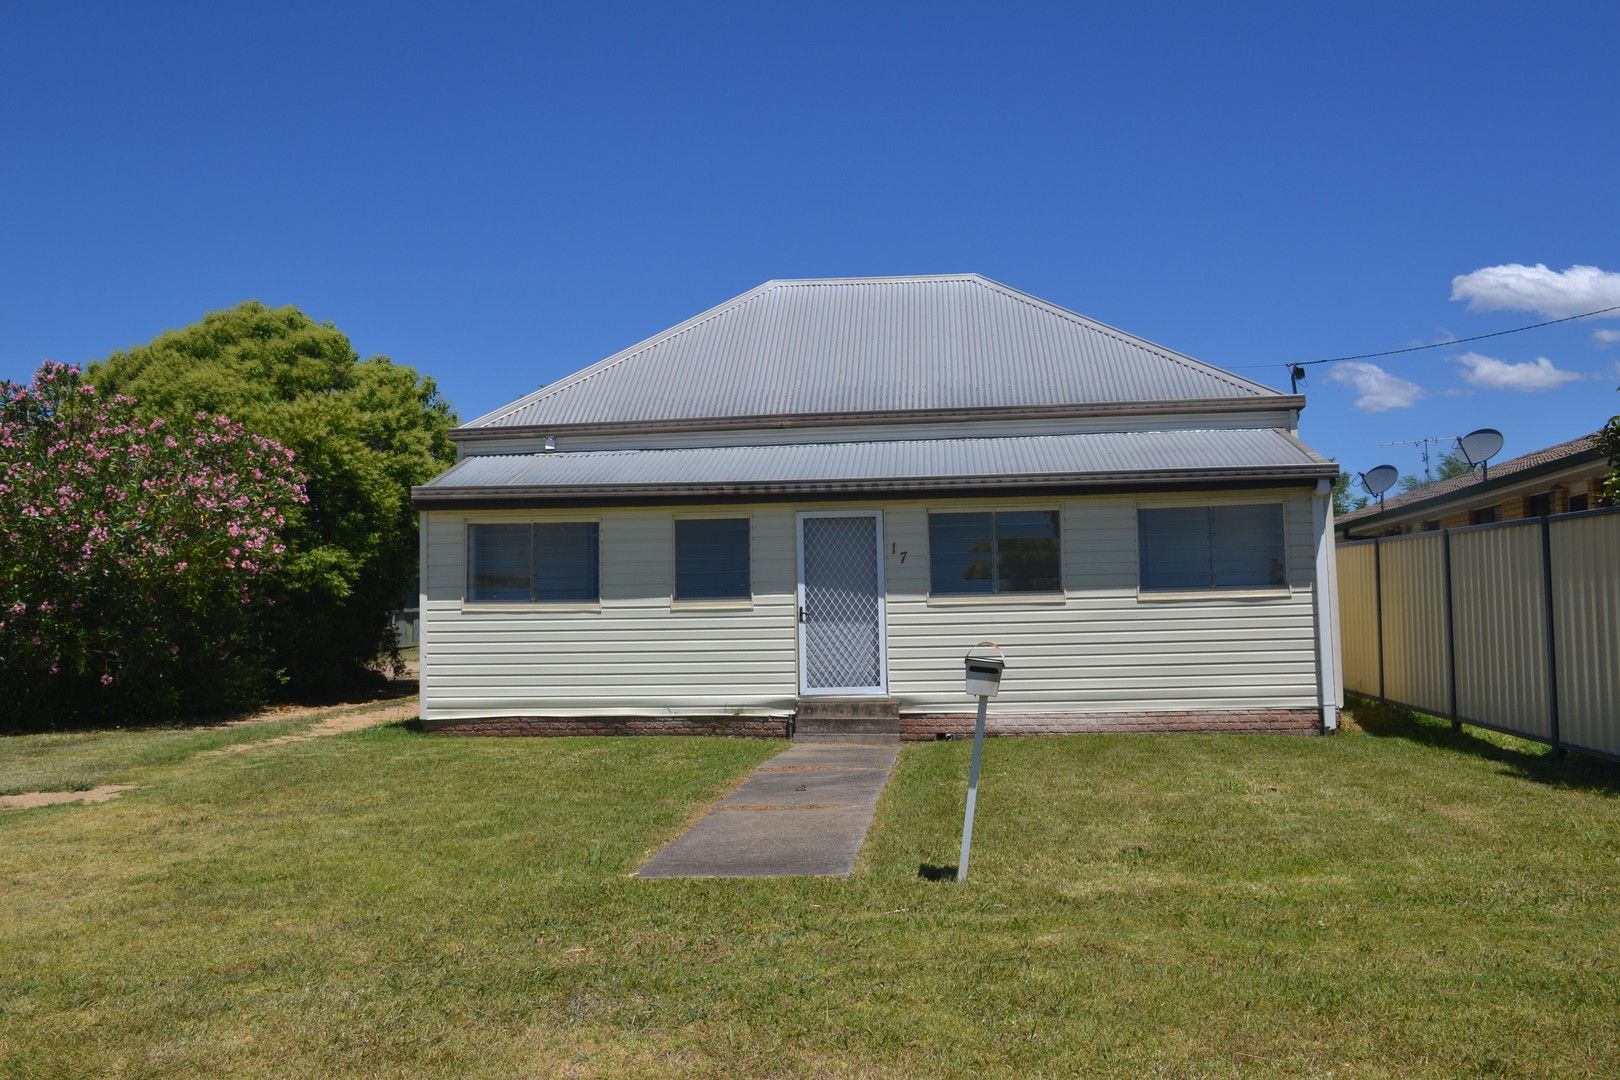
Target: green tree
[1451, 464]
[363, 431]
[1609, 438]
[1344, 500]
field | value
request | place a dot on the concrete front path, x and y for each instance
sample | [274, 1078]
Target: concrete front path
[803, 812]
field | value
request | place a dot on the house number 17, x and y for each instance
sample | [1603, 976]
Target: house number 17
[894, 549]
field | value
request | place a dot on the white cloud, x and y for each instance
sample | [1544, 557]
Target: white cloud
[1553, 293]
[1378, 390]
[1494, 374]
[1605, 338]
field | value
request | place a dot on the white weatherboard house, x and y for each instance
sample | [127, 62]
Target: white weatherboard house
[818, 495]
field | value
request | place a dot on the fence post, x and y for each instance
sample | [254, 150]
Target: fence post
[1451, 634]
[1378, 600]
[1552, 646]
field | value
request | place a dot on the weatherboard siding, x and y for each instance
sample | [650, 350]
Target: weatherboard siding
[1097, 648]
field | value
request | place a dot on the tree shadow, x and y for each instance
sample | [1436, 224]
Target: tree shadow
[369, 689]
[937, 872]
[1522, 758]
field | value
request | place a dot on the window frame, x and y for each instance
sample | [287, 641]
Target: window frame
[694, 603]
[1212, 591]
[996, 594]
[533, 602]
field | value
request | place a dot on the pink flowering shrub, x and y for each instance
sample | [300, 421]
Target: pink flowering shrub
[134, 556]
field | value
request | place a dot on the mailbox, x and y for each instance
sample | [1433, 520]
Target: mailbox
[984, 664]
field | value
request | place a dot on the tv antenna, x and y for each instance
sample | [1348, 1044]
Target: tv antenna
[1425, 442]
[1478, 447]
[1377, 480]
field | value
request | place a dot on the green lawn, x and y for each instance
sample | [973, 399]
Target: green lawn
[80, 760]
[385, 903]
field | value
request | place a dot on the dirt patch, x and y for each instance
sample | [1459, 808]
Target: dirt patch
[28, 800]
[277, 713]
[335, 725]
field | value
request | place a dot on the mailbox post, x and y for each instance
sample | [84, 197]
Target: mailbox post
[983, 664]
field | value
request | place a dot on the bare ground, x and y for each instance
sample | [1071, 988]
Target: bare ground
[351, 718]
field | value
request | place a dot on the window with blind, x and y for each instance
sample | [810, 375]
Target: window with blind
[711, 559]
[1008, 551]
[548, 562]
[1211, 547]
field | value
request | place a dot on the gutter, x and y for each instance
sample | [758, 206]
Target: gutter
[428, 496]
[802, 420]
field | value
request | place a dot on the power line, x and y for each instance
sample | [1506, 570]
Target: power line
[1437, 344]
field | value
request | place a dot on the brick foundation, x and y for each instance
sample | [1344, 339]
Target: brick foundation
[913, 727]
[743, 727]
[1250, 722]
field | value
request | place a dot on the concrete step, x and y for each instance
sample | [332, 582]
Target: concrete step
[847, 716]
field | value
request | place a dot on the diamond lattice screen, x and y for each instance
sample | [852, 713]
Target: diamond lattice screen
[841, 598]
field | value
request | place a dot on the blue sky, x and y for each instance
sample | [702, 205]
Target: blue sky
[501, 194]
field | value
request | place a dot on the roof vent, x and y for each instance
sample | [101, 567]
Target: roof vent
[551, 443]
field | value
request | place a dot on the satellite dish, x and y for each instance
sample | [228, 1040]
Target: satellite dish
[1380, 479]
[1478, 447]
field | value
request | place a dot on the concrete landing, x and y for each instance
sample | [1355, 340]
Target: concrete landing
[804, 812]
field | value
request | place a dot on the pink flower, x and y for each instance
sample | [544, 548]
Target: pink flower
[174, 650]
[19, 608]
[106, 680]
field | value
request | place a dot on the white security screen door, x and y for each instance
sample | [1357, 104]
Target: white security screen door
[842, 646]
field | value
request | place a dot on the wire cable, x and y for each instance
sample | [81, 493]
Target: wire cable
[1436, 345]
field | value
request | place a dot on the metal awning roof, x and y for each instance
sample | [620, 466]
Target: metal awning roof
[1163, 458]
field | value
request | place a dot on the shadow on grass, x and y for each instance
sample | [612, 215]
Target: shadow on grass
[365, 690]
[936, 872]
[1524, 759]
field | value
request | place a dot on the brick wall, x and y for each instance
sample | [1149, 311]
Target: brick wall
[1255, 722]
[912, 728]
[744, 727]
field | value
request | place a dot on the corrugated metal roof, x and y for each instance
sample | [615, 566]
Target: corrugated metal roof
[1502, 474]
[872, 345]
[1025, 460]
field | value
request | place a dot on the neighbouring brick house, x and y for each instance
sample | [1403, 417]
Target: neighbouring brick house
[807, 503]
[1559, 479]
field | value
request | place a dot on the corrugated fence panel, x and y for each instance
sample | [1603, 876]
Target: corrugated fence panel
[1501, 627]
[1415, 622]
[1358, 615]
[1586, 598]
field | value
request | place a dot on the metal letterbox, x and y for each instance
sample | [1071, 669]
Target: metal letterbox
[983, 664]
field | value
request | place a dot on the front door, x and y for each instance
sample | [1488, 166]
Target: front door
[842, 648]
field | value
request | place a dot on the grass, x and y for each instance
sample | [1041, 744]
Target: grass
[1395, 901]
[81, 760]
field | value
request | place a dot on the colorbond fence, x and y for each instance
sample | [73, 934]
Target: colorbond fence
[1513, 626]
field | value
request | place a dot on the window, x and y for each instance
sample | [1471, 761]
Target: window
[1009, 551]
[1577, 502]
[711, 559]
[1432, 525]
[499, 562]
[550, 562]
[1212, 547]
[1483, 516]
[1538, 505]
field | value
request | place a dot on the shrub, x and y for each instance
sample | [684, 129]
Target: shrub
[364, 432]
[134, 556]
